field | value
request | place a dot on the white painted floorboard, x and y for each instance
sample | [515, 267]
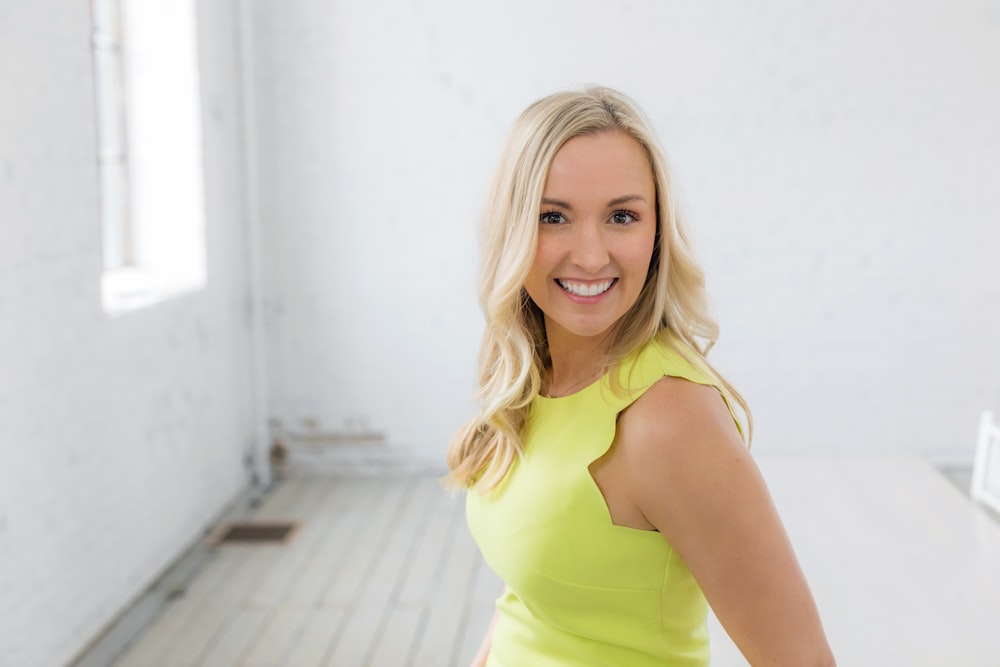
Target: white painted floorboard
[381, 572]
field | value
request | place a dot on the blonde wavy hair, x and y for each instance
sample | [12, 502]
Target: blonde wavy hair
[672, 305]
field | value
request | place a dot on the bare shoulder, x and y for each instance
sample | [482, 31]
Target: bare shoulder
[679, 420]
[685, 459]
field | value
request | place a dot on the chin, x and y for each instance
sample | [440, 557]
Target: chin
[589, 330]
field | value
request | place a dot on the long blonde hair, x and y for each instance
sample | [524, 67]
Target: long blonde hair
[672, 305]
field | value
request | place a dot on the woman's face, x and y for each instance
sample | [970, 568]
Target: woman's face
[596, 231]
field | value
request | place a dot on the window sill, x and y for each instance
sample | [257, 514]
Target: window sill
[127, 289]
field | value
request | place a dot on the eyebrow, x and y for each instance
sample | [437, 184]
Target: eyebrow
[625, 199]
[617, 201]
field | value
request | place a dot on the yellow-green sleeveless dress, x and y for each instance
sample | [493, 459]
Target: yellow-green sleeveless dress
[580, 589]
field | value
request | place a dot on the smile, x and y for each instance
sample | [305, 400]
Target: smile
[586, 289]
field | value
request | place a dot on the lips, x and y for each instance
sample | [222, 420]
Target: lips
[586, 289]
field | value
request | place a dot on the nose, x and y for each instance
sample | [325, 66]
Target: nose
[590, 248]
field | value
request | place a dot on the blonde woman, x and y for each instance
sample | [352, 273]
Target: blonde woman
[610, 486]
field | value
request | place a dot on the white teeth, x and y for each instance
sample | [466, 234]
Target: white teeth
[581, 289]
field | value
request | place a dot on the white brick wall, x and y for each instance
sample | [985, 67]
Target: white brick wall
[119, 438]
[839, 162]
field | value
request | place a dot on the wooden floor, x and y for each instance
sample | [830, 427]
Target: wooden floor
[382, 572]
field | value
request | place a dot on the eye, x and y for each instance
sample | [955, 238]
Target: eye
[552, 218]
[623, 217]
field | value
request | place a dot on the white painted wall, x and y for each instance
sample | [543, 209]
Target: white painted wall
[120, 439]
[839, 162]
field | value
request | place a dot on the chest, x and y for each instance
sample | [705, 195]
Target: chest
[549, 520]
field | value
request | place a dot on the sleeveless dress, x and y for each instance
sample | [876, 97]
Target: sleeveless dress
[580, 589]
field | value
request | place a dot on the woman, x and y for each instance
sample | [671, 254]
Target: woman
[611, 488]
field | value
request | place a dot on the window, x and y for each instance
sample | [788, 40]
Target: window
[149, 150]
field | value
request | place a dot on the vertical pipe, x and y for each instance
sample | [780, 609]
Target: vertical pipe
[260, 455]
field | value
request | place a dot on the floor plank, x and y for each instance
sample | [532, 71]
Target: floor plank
[277, 636]
[233, 641]
[386, 582]
[380, 566]
[381, 572]
[438, 641]
[292, 579]
[313, 644]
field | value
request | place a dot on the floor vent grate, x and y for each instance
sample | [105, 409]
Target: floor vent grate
[254, 532]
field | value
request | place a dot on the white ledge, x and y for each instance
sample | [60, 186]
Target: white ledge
[127, 289]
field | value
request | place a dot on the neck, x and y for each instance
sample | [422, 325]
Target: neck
[576, 361]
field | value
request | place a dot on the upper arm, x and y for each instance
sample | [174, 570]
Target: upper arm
[695, 481]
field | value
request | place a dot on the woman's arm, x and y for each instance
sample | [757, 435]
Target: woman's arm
[694, 480]
[484, 648]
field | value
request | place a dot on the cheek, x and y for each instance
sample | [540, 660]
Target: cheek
[543, 262]
[640, 255]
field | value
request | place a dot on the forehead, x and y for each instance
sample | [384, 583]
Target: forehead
[598, 165]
